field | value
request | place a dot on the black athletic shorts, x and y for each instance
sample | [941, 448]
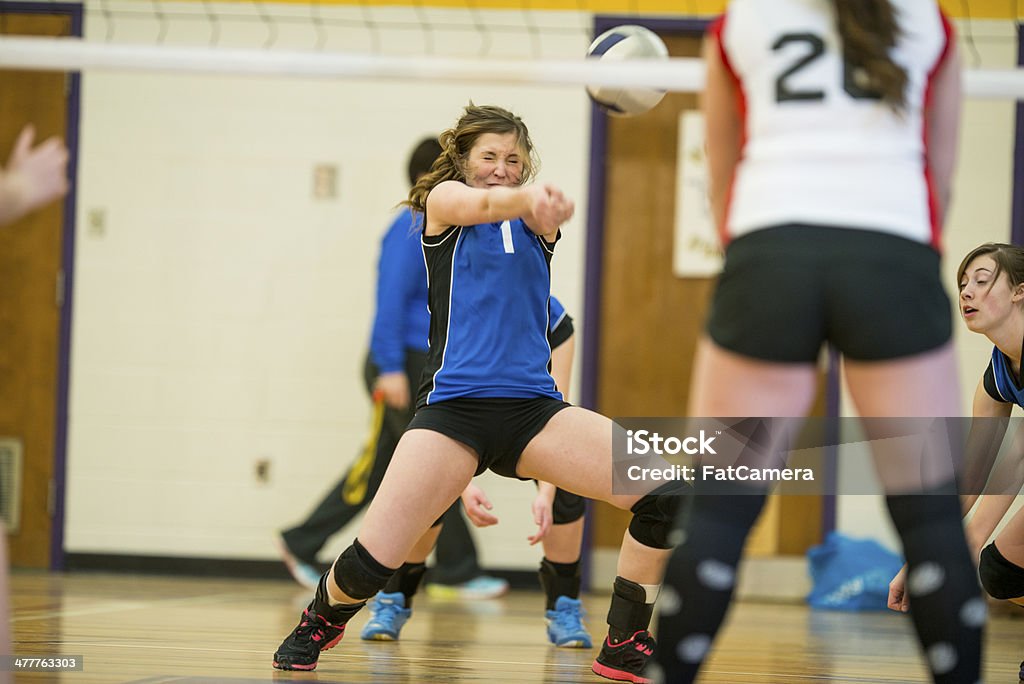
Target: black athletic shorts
[496, 429]
[786, 290]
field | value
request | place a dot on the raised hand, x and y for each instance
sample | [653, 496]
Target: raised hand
[32, 176]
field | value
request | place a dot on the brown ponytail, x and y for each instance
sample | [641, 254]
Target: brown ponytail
[868, 30]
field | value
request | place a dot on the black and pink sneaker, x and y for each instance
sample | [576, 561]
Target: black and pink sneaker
[301, 649]
[625, 661]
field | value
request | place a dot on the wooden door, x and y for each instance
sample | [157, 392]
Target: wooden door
[30, 303]
[651, 319]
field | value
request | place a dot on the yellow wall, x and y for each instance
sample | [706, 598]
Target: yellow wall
[975, 9]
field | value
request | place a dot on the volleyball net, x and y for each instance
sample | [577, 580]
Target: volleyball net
[454, 40]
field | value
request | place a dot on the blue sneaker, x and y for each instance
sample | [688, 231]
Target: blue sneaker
[304, 573]
[387, 615]
[482, 587]
[565, 624]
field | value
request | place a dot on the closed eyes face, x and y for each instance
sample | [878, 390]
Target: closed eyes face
[985, 299]
[495, 160]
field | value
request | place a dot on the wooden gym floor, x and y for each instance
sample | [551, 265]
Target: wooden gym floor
[162, 630]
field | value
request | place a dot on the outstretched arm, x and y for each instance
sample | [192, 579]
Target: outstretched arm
[543, 207]
[988, 428]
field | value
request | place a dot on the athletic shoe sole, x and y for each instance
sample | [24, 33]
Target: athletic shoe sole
[618, 675]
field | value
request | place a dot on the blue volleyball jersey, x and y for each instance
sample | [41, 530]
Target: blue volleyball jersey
[1000, 382]
[489, 294]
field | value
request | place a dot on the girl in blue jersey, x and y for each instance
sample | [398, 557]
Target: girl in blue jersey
[559, 517]
[488, 399]
[392, 369]
[991, 282]
[831, 138]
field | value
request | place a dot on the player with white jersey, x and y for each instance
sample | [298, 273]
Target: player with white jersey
[831, 138]
[806, 120]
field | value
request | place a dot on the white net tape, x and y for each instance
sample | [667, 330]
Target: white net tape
[675, 74]
[69, 54]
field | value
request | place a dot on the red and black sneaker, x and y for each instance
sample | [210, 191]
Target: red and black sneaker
[301, 649]
[625, 661]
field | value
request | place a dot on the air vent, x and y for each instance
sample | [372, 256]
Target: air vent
[10, 482]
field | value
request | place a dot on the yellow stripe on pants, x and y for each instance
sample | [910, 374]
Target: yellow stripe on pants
[353, 491]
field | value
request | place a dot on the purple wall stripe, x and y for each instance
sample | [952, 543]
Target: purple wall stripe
[1017, 221]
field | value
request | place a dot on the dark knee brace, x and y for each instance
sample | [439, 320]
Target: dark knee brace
[559, 579]
[359, 574]
[406, 580]
[1001, 578]
[454, 509]
[567, 507]
[629, 611]
[654, 515]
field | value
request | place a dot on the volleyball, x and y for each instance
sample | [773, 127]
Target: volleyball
[627, 42]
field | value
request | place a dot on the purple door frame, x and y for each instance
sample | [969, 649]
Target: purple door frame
[75, 12]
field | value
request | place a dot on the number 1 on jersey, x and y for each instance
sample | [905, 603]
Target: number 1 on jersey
[506, 237]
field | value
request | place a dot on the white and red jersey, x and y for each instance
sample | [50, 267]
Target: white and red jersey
[818, 148]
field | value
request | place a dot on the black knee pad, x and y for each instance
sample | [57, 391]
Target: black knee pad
[567, 507]
[1001, 578]
[359, 574]
[454, 509]
[654, 515]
